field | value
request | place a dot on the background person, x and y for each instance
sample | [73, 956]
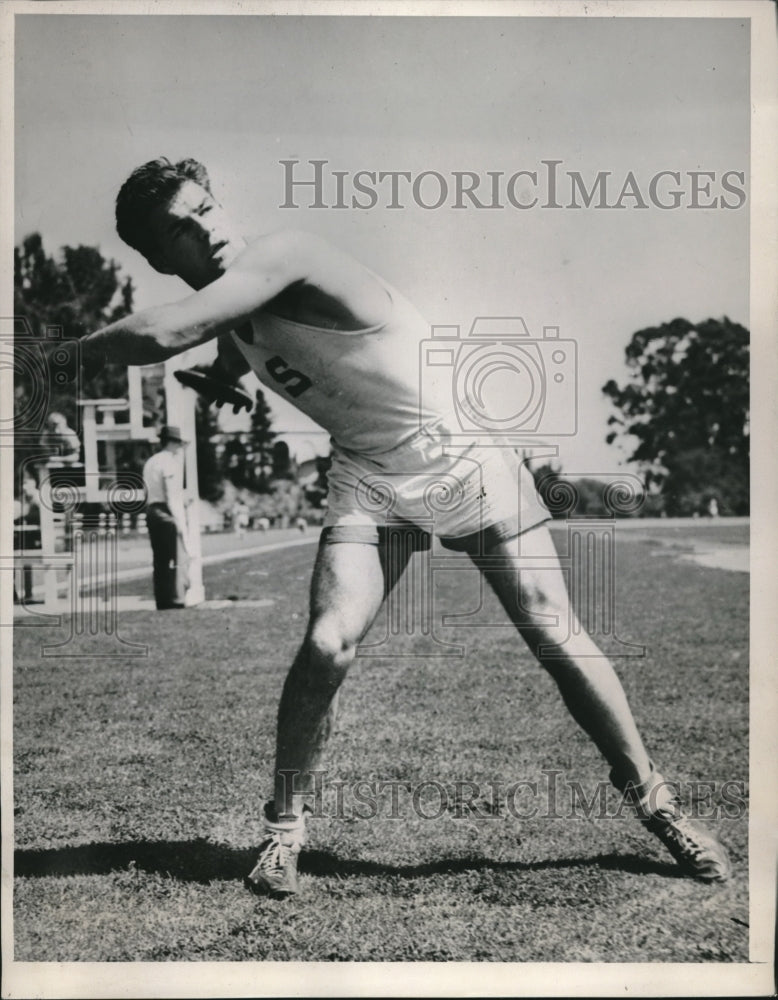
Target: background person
[240, 517]
[60, 441]
[163, 475]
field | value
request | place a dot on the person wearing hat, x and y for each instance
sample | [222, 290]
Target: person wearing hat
[163, 475]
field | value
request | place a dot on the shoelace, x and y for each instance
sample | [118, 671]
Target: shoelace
[685, 836]
[275, 856]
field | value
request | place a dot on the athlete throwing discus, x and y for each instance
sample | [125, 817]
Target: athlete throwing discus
[343, 346]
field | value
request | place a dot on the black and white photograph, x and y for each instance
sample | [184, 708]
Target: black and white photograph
[387, 497]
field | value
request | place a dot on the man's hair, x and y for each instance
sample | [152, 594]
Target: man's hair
[148, 188]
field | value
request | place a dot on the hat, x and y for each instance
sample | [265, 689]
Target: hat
[171, 433]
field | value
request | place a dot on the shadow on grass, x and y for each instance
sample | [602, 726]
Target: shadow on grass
[203, 862]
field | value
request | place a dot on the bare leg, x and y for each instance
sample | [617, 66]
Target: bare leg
[348, 587]
[586, 679]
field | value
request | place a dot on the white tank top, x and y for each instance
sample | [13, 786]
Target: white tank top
[361, 386]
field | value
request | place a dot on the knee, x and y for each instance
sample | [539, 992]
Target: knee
[331, 651]
[548, 625]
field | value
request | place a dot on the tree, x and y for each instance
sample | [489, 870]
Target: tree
[283, 464]
[234, 460]
[247, 458]
[261, 438]
[686, 403]
[78, 292]
[209, 478]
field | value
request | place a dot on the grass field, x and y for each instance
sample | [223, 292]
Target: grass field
[138, 784]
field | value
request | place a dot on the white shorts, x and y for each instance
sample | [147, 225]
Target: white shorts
[470, 495]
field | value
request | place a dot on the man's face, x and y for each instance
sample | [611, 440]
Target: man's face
[193, 236]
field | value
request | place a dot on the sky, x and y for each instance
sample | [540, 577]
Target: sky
[97, 95]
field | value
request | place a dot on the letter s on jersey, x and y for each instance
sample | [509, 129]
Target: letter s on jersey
[294, 382]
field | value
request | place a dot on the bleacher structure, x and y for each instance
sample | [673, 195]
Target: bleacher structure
[84, 507]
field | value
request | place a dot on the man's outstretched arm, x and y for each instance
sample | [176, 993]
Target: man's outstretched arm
[263, 270]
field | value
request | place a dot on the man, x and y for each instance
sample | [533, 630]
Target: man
[60, 440]
[163, 475]
[329, 334]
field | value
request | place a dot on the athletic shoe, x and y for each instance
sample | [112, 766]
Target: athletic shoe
[275, 873]
[696, 849]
